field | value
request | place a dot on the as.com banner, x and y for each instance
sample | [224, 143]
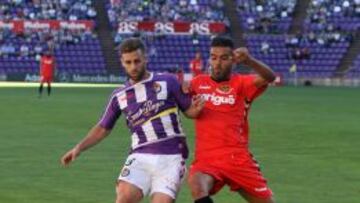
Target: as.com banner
[172, 27]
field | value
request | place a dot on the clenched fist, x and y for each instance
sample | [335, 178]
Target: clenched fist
[241, 55]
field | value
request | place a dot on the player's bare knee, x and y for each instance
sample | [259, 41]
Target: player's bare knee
[123, 198]
[122, 195]
[197, 191]
[193, 182]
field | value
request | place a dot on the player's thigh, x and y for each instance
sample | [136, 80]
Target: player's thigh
[135, 172]
[252, 199]
[159, 197]
[127, 193]
[168, 175]
[244, 175]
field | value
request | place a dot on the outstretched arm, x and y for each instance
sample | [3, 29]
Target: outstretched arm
[94, 136]
[265, 74]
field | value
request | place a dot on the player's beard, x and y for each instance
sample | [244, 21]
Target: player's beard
[220, 75]
[137, 76]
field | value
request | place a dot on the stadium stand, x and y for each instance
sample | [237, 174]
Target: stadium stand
[171, 52]
[46, 10]
[160, 10]
[57, 26]
[316, 53]
[333, 15]
[354, 71]
[313, 58]
[168, 51]
[317, 50]
[266, 16]
[76, 52]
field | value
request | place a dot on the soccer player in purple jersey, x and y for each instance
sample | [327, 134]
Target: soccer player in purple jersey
[150, 103]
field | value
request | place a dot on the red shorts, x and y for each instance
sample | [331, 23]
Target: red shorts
[46, 78]
[237, 170]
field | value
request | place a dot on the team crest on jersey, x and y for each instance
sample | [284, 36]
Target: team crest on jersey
[224, 89]
[125, 172]
[157, 87]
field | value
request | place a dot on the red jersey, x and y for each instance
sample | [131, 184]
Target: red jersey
[223, 125]
[47, 64]
[196, 67]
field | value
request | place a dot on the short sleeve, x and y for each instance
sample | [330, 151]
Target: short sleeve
[250, 89]
[111, 113]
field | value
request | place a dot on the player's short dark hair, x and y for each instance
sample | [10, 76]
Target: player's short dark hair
[132, 44]
[221, 41]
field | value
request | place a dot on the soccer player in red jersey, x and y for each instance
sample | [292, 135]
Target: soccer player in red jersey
[47, 66]
[196, 65]
[222, 156]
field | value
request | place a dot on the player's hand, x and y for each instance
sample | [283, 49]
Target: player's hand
[70, 156]
[185, 87]
[198, 102]
[241, 55]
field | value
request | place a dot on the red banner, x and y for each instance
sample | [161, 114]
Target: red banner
[19, 25]
[172, 27]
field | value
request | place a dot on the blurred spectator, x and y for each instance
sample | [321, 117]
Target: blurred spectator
[195, 38]
[24, 50]
[300, 53]
[271, 16]
[118, 39]
[265, 48]
[170, 10]
[8, 49]
[305, 53]
[152, 51]
[196, 64]
[337, 13]
[55, 9]
[251, 23]
[38, 51]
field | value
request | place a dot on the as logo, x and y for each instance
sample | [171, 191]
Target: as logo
[157, 87]
[224, 89]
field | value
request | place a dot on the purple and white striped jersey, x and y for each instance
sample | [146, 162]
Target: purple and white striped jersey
[151, 108]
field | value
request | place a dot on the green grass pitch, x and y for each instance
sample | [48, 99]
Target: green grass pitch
[306, 140]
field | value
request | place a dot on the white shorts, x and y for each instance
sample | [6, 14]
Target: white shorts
[154, 173]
